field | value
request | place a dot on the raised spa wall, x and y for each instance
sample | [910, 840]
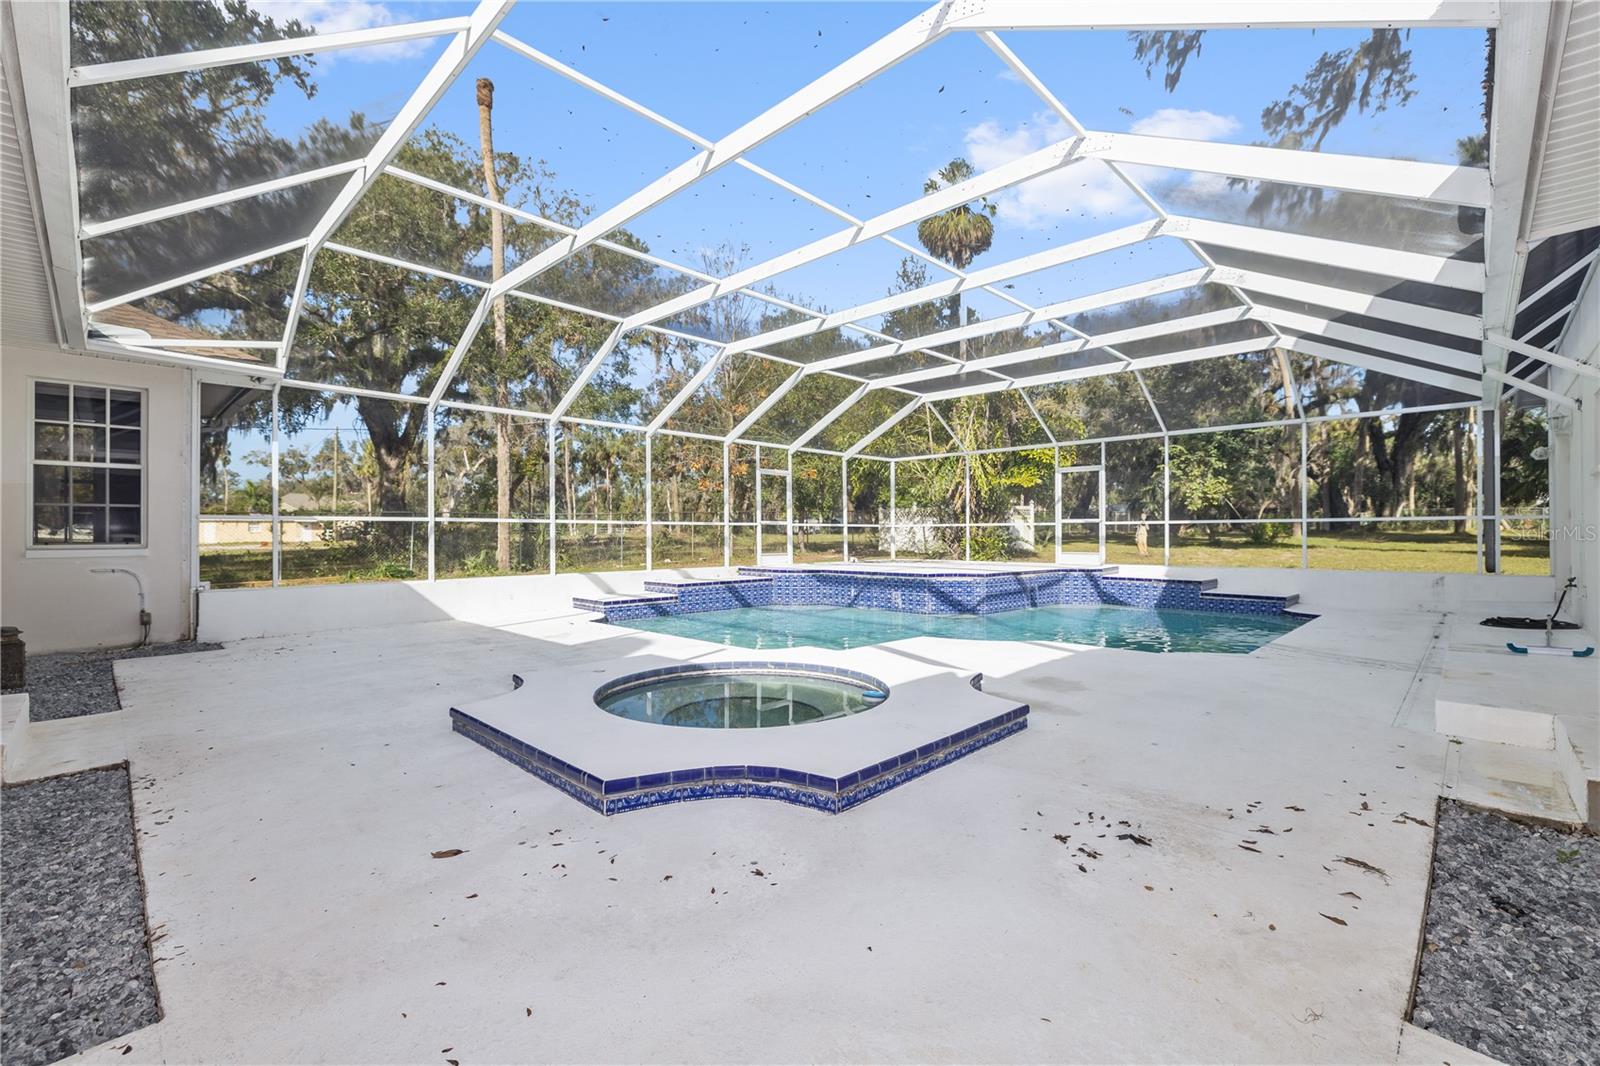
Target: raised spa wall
[926, 592]
[831, 795]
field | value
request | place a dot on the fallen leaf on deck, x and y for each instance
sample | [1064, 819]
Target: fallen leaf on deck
[1142, 841]
[1358, 864]
[448, 853]
[1335, 921]
[1247, 847]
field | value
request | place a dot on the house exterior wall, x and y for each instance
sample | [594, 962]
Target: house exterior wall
[50, 593]
[1575, 467]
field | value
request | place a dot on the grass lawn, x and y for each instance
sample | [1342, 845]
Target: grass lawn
[1392, 550]
[1369, 548]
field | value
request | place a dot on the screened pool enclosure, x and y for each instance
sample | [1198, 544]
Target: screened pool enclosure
[734, 330]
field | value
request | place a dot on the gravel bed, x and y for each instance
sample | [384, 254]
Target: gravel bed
[67, 684]
[1511, 955]
[75, 969]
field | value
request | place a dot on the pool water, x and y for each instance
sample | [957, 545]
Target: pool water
[1098, 625]
[739, 701]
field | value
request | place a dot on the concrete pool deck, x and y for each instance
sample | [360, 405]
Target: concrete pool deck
[289, 793]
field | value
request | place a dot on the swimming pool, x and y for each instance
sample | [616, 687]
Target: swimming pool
[720, 697]
[1160, 630]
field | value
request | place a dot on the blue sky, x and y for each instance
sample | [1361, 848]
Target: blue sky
[712, 66]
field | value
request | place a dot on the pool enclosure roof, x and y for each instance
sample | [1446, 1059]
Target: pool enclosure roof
[1458, 279]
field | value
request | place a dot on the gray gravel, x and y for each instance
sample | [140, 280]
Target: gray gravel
[1511, 957]
[71, 683]
[74, 966]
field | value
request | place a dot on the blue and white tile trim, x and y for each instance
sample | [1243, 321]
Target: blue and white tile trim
[828, 794]
[927, 592]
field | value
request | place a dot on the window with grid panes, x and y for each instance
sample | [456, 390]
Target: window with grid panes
[88, 465]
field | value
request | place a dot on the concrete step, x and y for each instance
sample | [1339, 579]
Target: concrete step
[13, 733]
[1544, 704]
[1511, 778]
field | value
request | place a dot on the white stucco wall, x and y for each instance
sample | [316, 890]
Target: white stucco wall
[49, 592]
[1575, 466]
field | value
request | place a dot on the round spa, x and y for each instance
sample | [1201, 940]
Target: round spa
[740, 695]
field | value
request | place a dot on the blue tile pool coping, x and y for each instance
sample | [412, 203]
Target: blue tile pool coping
[816, 791]
[923, 591]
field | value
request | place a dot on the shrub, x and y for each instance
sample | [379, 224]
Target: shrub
[1260, 533]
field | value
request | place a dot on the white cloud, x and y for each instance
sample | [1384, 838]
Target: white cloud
[1192, 125]
[1085, 189]
[338, 16]
[1088, 188]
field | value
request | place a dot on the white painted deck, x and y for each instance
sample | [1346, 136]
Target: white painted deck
[289, 791]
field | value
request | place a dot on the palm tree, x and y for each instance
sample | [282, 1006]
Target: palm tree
[497, 269]
[961, 234]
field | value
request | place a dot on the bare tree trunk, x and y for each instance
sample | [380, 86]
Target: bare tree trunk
[961, 347]
[1288, 381]
[1457, 440]
[566, 468]
[502, 397]
[1358, 480]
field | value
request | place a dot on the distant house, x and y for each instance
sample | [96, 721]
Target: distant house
[256, 531]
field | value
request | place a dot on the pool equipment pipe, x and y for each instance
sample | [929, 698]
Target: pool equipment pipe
[144, 615]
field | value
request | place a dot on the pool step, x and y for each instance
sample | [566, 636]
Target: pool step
[1283, 602]
[681, 596]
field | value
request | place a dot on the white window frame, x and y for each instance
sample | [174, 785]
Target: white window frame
[35, 550]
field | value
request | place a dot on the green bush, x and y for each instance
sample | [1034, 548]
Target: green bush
[991, 543]
[1260, 533]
